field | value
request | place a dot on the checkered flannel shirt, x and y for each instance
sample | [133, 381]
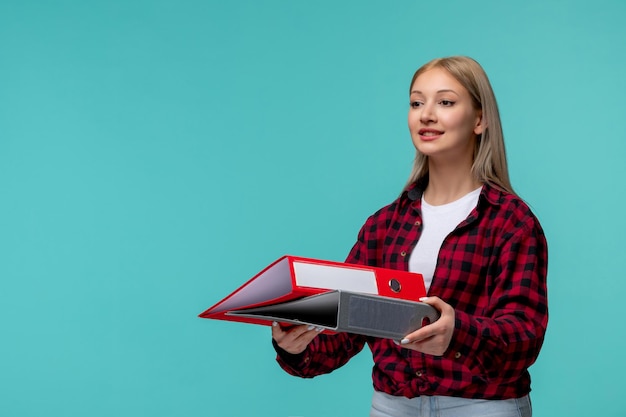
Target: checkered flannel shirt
[491, 269]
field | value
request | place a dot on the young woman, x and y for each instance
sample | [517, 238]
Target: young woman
[481, 250]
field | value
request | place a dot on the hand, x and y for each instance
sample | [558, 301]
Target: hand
[434, 338]
[294, 339]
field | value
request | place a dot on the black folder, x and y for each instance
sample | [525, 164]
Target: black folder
[344, 311]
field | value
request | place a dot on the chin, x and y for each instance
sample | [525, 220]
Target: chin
[427, 149]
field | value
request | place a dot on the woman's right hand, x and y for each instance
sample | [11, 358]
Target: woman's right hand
[294, 339]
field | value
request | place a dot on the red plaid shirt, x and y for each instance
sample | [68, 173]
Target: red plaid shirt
[492, 269]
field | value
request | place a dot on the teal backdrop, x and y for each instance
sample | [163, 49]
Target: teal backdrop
[156, 154]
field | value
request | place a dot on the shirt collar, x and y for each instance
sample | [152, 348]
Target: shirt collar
[489, 194]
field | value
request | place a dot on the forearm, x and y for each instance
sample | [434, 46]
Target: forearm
[503, 338]
[499, 349]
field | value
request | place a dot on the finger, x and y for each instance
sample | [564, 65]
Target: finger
[418, 336]
[295, 334]
[434, 301]
[296, 340]
[276, 330]
[440, 305]
[280, 333]
[307, 337]
[289, 328]
[300, 331]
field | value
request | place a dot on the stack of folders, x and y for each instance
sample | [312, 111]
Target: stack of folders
[336, 296]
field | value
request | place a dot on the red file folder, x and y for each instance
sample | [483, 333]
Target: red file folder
[292, 277]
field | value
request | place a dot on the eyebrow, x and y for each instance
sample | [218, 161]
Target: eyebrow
[446, 90]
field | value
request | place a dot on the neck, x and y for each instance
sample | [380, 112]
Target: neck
[449, 182]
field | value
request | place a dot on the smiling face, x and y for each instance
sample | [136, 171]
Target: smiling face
[443, 120]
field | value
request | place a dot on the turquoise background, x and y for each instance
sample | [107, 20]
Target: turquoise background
[154, 155]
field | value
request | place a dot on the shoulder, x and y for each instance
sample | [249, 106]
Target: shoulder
[508, 210]
[394, 211]
[380, 229]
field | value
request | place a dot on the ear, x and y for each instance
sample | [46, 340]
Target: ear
[480, 125]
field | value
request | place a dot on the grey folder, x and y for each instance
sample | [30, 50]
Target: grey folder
[344, 311]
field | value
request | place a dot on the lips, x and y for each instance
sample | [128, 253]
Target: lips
[429, 134]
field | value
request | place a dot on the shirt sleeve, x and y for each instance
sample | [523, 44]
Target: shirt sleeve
[506, 341]
[323, 355]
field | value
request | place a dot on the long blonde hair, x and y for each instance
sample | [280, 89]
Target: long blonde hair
[490, 165]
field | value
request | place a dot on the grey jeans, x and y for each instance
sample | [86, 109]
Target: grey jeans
[385, 405]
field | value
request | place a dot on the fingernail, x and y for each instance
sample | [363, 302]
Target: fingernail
[396, 342]
[405, 341]
[274, 323]
[423, 298]
[319, 329]
[311, 327]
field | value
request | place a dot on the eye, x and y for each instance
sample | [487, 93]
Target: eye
[415, 104]
[447, 103]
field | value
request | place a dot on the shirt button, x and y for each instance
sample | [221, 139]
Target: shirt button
[403, 254]
[417, 222]
[457, 355]
[418, 373]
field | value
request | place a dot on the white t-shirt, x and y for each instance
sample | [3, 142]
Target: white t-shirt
[437, 223]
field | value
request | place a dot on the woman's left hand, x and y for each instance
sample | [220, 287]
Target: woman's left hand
[434, 338]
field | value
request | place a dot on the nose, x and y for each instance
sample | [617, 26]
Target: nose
[427, 114]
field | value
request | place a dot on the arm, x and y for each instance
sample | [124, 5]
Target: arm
[302, 351]
[504, 341]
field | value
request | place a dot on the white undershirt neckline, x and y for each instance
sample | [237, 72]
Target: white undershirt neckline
[437, 223]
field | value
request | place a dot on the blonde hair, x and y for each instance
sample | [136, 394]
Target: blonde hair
[490, 165]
